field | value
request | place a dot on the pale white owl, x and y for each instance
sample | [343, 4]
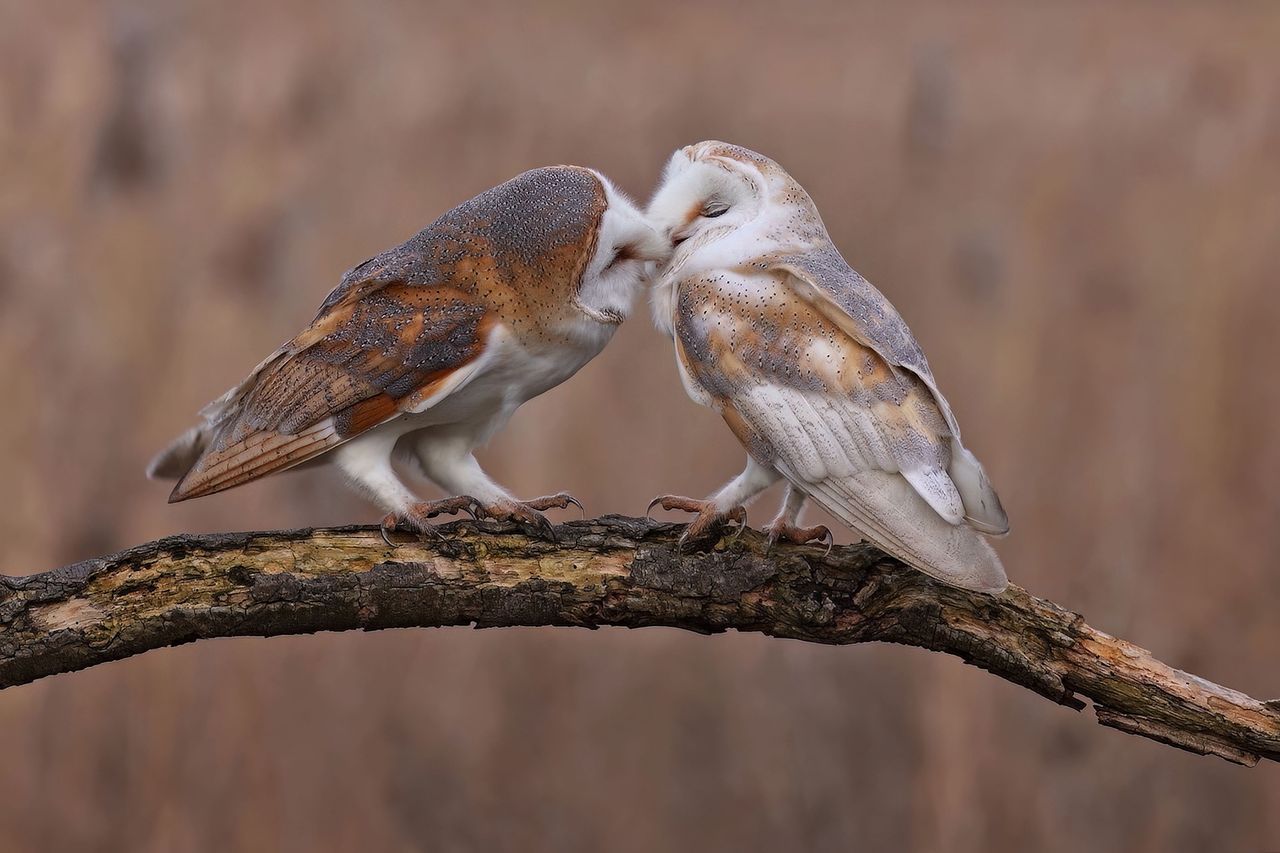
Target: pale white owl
[814, 372]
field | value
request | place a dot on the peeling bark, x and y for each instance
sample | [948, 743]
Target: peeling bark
[608, 571]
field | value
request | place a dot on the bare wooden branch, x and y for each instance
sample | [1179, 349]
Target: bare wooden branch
[609, 571]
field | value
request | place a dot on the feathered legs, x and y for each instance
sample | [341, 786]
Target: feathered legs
[447, 460]
[728, 504]
[367, 462]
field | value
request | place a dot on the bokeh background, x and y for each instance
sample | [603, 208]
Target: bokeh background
[1076, 207]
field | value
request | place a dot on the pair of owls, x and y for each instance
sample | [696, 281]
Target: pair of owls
[428, 348]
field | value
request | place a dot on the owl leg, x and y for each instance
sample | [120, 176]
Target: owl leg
[726, 505]
[784, 527]
[448, 462]
[367, 463]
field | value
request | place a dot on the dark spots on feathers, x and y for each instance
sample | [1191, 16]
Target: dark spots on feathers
[400, 322]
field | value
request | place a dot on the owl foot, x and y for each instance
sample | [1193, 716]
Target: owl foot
[560, 500]
[416, 518]
[781, 531]
[706, 529]
[528, 514]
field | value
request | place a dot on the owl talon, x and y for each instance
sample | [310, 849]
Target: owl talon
[535, 523]
[413, 519]
[560, 500]
[780, 531]
[452, 506]
[735, 535]
[676, 502]
[417, 517]
[386, 527]
[547, 530]
[707, 528]
[648, 511]
[526, 515]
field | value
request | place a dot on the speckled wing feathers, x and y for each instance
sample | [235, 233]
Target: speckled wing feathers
[834, 414]
[849, 301]
[376, 357]
[825, 280]
[402, 330]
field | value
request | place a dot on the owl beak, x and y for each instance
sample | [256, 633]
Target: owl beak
[654, 247]
[657, 249]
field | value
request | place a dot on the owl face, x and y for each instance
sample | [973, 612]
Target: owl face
[724, 206]
[706, 192]
[728, 204]
[628, 248]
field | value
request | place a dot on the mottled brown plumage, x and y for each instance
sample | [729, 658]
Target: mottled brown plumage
[499, 283]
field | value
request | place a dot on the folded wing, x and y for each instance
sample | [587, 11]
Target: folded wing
[377, 348]
[847, 410]
[847, 300]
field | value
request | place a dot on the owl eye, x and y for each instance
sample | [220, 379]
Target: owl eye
[714, 209]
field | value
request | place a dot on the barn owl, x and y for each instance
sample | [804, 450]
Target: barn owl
[814, 371]
[428, 348]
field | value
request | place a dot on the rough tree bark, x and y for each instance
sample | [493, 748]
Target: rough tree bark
[608, 571]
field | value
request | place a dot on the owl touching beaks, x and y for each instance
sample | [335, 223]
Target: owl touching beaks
[814, 371]
[427, 349]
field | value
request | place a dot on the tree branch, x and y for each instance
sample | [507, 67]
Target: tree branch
[609, 571]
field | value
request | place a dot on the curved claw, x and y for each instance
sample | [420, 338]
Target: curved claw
[831, 541]
[707, 536]
[414, 520]
[738, 515]
[684, 545]
[737, 534]
[535, 523]
[390, 524]
[652, 504]
[527, 519]
[387, 526]
[582, 509]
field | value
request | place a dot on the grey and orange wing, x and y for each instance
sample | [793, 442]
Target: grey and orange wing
[851, 303]
[378, 348]
[865, 439]
[823, 278]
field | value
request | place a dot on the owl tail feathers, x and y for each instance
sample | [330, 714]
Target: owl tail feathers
[982, 509]
[885, 509]
[180, 456]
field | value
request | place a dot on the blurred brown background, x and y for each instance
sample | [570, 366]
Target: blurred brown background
[1076, 207]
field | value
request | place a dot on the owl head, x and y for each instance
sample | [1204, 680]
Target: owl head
[725, 206]
[712, 189]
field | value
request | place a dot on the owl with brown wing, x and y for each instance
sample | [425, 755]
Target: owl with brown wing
[427, 349]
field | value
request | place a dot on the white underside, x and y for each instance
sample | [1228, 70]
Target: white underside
[441, 437]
